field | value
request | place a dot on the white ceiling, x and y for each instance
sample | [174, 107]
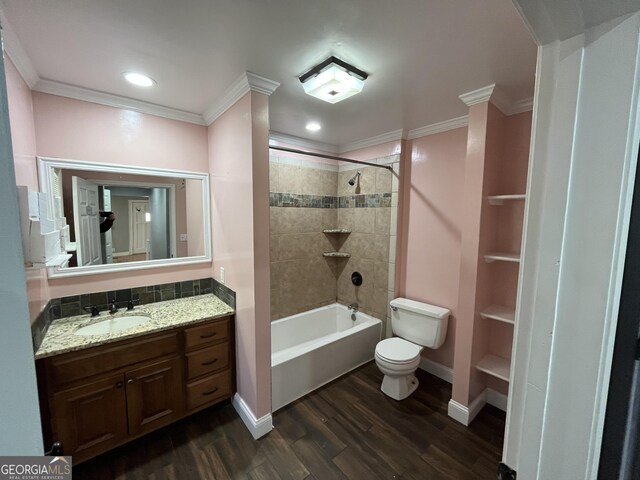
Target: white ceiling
[420, 54]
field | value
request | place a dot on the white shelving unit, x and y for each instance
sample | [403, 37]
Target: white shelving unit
[499, 313]
[495, 366]
[500, 199]
[501, 257]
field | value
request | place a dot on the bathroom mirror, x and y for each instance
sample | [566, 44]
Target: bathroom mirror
[119, 217]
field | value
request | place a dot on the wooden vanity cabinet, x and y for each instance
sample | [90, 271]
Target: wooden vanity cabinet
[98, 398]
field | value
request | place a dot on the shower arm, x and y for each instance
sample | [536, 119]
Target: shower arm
[330, 157]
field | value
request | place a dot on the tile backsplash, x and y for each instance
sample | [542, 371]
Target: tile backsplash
[74, 305]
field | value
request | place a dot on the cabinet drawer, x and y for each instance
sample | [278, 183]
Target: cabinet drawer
[207, 333]
[209, 389]
[207, 360]
[65, 369]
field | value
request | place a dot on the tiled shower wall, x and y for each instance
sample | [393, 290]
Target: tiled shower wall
[303, 203]
[372, 219]
[307, 197]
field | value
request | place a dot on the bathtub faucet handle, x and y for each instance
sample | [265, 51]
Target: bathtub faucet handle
[354, 306]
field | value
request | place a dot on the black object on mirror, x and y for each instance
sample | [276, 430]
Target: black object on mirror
[356, 279]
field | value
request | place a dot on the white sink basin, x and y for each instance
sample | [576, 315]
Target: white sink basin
[111, 325]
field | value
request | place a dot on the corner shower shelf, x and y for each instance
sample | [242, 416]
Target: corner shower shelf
[336, 230]
[336, 254]
[500, 199]
[501, 257]
[496, 367]
[500, 313]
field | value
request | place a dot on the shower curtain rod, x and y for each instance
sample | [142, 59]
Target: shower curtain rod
[330, 157]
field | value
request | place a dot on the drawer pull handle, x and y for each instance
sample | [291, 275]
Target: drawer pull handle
[130, 381]
[210, 392]
[209, 336]
[205, 364]
[119, 385]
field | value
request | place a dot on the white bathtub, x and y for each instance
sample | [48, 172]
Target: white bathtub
[315, 347]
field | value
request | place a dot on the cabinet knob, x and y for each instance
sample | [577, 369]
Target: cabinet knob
[119, 385]
[130, 381]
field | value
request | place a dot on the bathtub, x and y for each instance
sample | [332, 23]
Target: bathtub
[315, 347]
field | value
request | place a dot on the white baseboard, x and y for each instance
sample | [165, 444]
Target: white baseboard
[457, 411]
[258, 427]
[497, 399]
[465, 415]
[437, 369]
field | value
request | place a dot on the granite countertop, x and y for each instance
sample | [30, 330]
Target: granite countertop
[60, 336]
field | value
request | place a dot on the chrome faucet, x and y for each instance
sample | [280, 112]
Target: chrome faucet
[354, 306]
[112, 307]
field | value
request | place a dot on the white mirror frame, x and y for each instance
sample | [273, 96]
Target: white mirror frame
[46, 165]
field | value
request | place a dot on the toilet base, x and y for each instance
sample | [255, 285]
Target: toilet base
[400, 387]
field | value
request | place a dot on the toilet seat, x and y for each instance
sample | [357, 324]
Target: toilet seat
[397, 351]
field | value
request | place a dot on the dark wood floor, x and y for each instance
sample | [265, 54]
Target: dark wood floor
[346, 430]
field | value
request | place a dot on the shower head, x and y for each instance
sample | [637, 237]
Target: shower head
[352, 182]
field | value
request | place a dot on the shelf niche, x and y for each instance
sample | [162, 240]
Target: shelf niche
[500, 199]
[499, 313]
[501, 257]
[495, 366]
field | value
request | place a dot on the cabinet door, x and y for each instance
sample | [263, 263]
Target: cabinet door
[154, 395]
[92, 418]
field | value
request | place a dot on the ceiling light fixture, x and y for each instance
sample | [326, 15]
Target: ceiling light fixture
[139, 79]
[333, 80]
[313, 126]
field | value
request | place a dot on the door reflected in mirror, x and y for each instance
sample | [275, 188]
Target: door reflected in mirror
[124, 217]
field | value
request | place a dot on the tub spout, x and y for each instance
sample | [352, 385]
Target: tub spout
[354, 307]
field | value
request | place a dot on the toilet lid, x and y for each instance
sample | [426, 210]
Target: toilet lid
[397, 350]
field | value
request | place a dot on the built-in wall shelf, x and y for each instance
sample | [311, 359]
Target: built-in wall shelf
[501, 257]
[500, 313]
[336, 230]
[500, 199]
[336, 254]
[496, 367]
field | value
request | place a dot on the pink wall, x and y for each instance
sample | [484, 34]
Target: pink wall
[472, 206]
[431, 236]
[77, 130]
[261, 238]
[238, 150]
[23, 139]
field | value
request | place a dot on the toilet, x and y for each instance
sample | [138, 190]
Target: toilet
[417, 325]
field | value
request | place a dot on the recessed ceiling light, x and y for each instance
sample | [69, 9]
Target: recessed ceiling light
[333, 80]
[313, 126]
[139, 79]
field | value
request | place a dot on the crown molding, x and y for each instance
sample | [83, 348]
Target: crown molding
[261, 84]
[108, 99]
[521, 106]
[478, 96]
[13, 48]
[439, 127]
[301, 142]
[496, 96]
[372, 141]
[239, 88]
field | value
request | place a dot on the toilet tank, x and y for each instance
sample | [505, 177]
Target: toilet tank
[419, 322]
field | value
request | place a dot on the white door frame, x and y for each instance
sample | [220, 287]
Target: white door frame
[132, 227]
[583, 158]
